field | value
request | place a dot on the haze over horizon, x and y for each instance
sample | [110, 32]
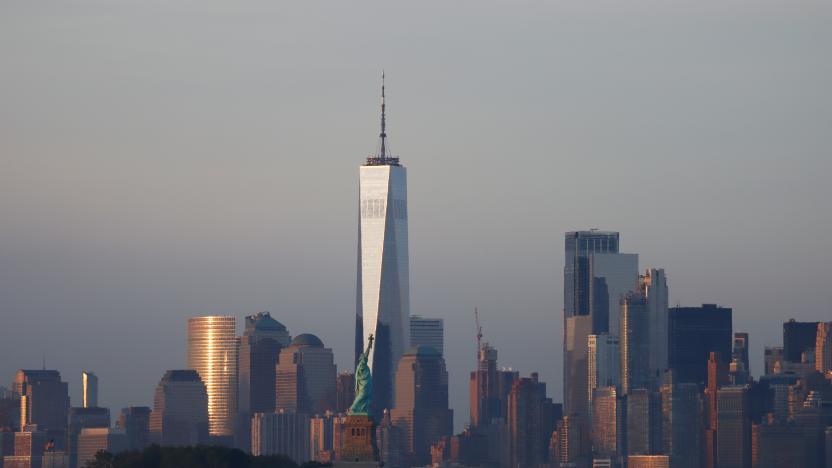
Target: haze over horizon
[159, 161]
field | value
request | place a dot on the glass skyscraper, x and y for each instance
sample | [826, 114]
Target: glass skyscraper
[213, 353]
[383, 284]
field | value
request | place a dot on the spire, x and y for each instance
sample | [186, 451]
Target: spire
[383, 135]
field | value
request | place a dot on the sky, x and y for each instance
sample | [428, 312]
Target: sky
[160, 160]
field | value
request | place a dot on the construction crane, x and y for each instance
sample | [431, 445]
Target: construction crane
[479, 331]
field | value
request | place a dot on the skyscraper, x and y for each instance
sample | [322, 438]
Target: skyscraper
[603, 363]
[643, 425]
[427, 332]
[80, 419]
[635, 343]
[89, 383]
[94, 439]
[180, 409]
[579, 246]
[733, 428]
[281, 433]
[306, 376]
[383, 292]
[135, 422]
[212, 352]
[695, 332]
[823, 347]
[798, 337]
[421, 409]
[344, 391]
[482, 387]
[681, 423]
[530, 422]
[612, 276]
[44, 401]
[653, 286]
[606, 423]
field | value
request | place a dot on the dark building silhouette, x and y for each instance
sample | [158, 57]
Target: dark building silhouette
[635, 343]
[135, 422]
[733, 445]
[389, 441]
[344, 391]
[260, 347]
[695, 332]
[421, 409]
[681, 422]
[180, 410]
[306, 377]
[483, 388]
[44, 401]
[798, 337]
[643, 422]
[531, 420]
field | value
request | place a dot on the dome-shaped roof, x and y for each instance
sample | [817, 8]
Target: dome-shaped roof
[307, 339]
[422, 351]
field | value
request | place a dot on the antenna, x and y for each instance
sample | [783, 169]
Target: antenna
[383, 134]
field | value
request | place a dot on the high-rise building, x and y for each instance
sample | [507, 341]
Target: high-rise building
[612, 276]
[389, 441]
[603, 363]
[635, 343]
[733, 428]
[89, 383]
[80, 419]
[823, 348]
[135, 422]
[681, 423]
[44, 401]
[344, 391]
[180, 410]
[798, 337]
[383, 298]
[653, 286]
[213, 353]
[644, 436]
[421, 409]
[694, 333]
[530, 422]
[93, 440]
[306, 377]
[483, 388]
[578, 321]
[607, 418]
[279, 433]
[427, 332]
[260, 347]
[649, 461]
[739, 367]
[320, 437]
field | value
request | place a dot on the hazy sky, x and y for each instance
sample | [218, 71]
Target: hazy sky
[166, 159]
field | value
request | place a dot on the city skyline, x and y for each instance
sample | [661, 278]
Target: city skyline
[105, 246]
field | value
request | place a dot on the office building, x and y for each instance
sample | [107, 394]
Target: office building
[389, 441]
[94, 440]
[383, 299]
[607, 418]
[681, 423]
[212, 352]
[427, 332]
[653, 286]
[733, 444]
[180, 410]
[281, 433]
[695, 332]
[320, 437]
[260, 347]
[530, 422]
[823, 348]
[421, 409]
[643, 422]
[344, 391]
[306, 377]
[603, 363]
[635, 343]
[44, 401]
[80, 419]
[612, 275]
[579, 323]
[89, 384]
[798, 337]
[135, 422]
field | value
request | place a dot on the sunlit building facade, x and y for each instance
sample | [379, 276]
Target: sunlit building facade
[212, 352]
[383, 283]
[89, 382]
[180, 410]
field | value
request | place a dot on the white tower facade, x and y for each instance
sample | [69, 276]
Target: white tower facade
[383, 284]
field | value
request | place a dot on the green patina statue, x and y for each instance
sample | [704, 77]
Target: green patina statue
[363, 384]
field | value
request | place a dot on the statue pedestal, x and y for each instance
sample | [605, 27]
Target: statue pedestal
[358, 443]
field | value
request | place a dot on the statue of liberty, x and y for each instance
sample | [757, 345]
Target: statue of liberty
[363, 384]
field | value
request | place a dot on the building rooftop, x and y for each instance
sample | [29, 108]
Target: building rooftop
[307, 339]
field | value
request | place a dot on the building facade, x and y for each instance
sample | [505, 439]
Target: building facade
[695, 332]
[653, 286]
[635, 343]
[306, 376]
[180, 410]
[89, 387]
[427, 332]
[213, 353]
[44, 401]
[281, 433]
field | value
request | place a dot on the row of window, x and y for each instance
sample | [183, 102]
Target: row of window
[375, 208]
